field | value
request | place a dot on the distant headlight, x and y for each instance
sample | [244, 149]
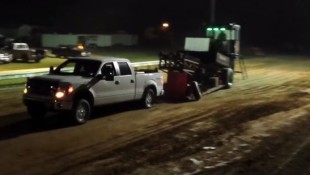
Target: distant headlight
[26, 88]
[80, 47]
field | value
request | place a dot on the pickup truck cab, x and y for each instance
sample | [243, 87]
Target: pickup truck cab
[23, 52]
[79, 84]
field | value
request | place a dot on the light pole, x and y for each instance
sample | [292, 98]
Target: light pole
[167, 34]
[165, 26]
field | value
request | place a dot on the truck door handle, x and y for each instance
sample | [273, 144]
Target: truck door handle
[117, 82]
[132, 81]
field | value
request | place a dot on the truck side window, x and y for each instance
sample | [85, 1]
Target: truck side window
[124, 68]
[108, 69]
[68, 68]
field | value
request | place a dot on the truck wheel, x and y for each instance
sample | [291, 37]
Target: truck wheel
[36, 113]
[82, 111]
[195, 90]
[148, 98]
[227, 77]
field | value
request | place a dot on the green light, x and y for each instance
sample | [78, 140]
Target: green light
[216, 29]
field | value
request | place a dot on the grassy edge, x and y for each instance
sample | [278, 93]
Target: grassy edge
[12, 82]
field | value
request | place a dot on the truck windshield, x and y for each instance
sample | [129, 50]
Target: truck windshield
[78, 67]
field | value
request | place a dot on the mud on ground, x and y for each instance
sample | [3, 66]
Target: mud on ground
[258, 127]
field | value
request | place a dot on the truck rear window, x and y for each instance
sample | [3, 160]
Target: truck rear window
[124, 68]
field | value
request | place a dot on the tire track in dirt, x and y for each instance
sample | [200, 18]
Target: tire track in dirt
[281, 84]
[219, 118]
[260, 81]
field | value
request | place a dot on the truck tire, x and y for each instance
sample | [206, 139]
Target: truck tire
[195, 90]
[148, 98]
[82, 111]
[37, 113]
[227, 77]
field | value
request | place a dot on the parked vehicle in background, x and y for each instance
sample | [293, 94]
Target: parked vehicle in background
[21, 51]
[79, 84]
[71, 51]
[5, 57]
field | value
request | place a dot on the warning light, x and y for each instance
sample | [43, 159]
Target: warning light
[216, 29]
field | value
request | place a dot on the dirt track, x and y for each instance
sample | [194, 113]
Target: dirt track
[260, 126]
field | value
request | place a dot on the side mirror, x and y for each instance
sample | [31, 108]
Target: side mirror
[108, 73]
[51, 69]
[105, 77]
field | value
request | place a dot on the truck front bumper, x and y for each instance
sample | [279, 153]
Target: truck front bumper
[49, 104]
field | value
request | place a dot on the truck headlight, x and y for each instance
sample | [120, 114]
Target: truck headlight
[64, 90]
[70, 89]
[25, 90]
[60, 94]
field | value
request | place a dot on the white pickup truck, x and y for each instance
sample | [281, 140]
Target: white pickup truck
[79, 84]
[22, 51]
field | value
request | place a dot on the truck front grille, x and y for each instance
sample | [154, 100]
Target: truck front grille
[42, 87]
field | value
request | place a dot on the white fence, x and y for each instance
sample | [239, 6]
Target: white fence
[90, 40]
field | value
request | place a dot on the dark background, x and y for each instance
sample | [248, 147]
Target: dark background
[264, 23]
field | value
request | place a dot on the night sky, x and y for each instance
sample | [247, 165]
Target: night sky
[262, 21]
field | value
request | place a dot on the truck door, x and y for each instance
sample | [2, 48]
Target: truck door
[107, 92]
[125, 81]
